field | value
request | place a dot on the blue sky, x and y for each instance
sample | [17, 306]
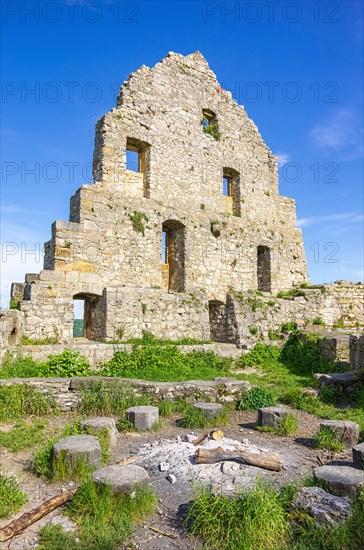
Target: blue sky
[295, 66]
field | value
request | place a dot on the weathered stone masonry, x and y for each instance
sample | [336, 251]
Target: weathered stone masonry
[110, 252]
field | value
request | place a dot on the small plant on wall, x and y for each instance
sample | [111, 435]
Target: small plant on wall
[138, 219]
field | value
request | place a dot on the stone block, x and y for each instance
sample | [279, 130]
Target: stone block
[347, 431]
[143, 417]
[271, 416]
[341, 480]
[78, 448]
[210, 410]
[96, 424]
[358, 456]
[327, 510]
[123, 478]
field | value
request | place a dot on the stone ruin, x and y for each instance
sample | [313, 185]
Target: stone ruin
[177, 240]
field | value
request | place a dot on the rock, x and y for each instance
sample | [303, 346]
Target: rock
[271, 416]
[66, 524]
[229, 467]
[171, 478]
[164, 466]
[78, 448]
[347, 431]
[344, 379]
[96, 424]
[327, 510]
[143, 417]
[122, 477]
[341, 480]
[358, 456]
[210, 410]
[190, 437]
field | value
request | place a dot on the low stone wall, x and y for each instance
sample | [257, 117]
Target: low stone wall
[96, 353]
[335, 305]
[67, 392]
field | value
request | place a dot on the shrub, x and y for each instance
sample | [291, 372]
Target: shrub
[20, 367]
[67, 364]
[255, 398]
[328, 439]
[11, 498]
[165, 363]
[23, 400]
[302, 351]
[194, 418]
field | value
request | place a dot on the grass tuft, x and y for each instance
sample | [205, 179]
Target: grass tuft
[11, 498]
[248, 520]
[194, 418]
[23, 400]
[105, 520]
[329, 439]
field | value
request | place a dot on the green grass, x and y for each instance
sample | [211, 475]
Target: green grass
[24, 400]
[105, 520]
[194, 418]
[105, 399]
[11, 498]
[329, 439]
[288, 369]
[249, 520]
[23, 435]
[262, 519]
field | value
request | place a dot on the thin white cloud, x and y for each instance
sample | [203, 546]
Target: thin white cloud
[340, 133]
[347, 217]
[283, 158]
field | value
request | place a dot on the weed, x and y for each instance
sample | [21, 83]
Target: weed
[137, 220]
[318, 321]
[288, 327]
[100, 399]
[211, 129]
[24, 400]
[23, 436]
[253, 331]
[168, 407]
[11, 498]
[255, 398]
[194, 418]
[14, 304]
[329, 439]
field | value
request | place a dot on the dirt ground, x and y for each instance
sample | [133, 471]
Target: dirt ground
[297, 454]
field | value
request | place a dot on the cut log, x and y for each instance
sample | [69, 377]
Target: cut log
[200, 439]
[18, 525]
[211, 456]
[217, 435]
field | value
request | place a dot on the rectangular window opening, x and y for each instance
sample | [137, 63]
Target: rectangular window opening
[227, 186]
[78, 318]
